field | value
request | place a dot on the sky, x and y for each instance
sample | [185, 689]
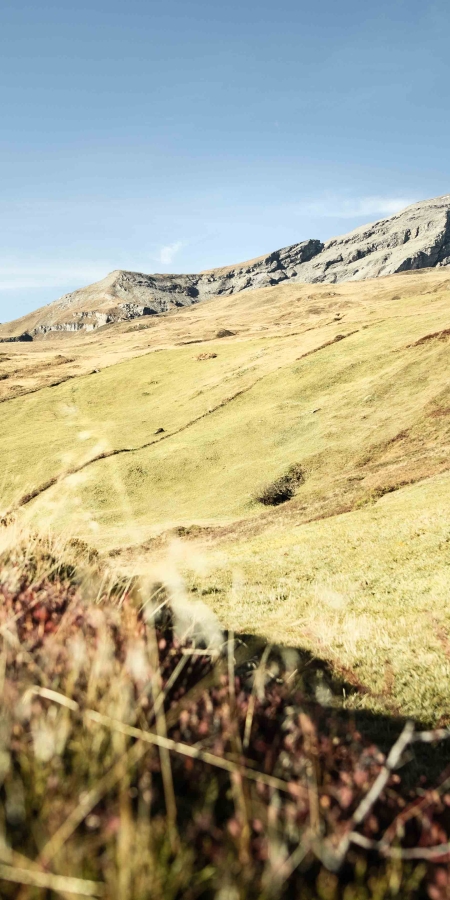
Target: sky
[179, 135]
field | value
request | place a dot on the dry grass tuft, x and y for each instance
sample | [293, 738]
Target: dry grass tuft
[138, 764]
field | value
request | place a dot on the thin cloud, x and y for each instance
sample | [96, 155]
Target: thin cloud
[350, 208]
[168, 253]
[29, 276]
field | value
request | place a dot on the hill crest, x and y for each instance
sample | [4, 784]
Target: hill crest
[417, 237]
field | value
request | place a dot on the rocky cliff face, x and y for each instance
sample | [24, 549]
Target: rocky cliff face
[135, 294]
[416, 238]
[130, 295]
[19, 338]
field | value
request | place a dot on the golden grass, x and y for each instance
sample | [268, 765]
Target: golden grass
[363, 414]
[359, 415]
[367, 590]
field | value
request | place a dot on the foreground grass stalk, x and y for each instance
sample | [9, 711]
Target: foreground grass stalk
[161, 727]
[253, 787]
[257, 690]
[90, 800]
[59, 883]
[185, 750]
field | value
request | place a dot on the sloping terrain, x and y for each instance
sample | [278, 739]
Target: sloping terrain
[367, 590]
[355, 390]
[416, 238]
[162, 428]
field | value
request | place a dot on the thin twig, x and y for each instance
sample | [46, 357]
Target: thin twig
[187, 750]
[93, 797]
[380, 782]
[161, 728]
[398, 852]
[149, 599]
[333, 857]
[416, 808]
[47, 694]
[184, 749]
[310, 746]
[60, 883]
[284, 871]
[230, 653]
[428, 737]
[17, 860]
[168, 686]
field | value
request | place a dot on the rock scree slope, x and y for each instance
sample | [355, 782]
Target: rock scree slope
[416, 238]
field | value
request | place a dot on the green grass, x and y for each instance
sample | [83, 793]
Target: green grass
[363, 417]
[367, 589]
[50, 431]
[364, 391]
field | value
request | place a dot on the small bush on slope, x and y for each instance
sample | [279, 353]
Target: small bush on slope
[283, 488]
[136, 766]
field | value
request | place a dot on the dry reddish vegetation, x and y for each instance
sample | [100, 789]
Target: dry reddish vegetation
[134, 765]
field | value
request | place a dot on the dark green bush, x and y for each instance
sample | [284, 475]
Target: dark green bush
[283, 488]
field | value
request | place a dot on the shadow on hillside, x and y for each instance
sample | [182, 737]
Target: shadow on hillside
[321, 686]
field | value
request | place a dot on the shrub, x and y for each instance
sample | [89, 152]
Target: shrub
[283, 488]
[223, 333]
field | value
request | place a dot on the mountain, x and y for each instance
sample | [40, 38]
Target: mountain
[128, 295]
[416, 238]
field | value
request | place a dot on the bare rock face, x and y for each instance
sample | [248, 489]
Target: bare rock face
[416, 238]
[129, 295]
[263, 272]
[19, 338]
[136, 294]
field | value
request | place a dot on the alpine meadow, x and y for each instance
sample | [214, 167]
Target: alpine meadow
[224, 484]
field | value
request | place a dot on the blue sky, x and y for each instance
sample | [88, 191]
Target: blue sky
[183, 134]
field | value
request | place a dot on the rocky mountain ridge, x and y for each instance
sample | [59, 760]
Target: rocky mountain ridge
[417, 237]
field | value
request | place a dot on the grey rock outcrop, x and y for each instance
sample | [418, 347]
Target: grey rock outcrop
[19, 338]
[416, 238]
[129, 295]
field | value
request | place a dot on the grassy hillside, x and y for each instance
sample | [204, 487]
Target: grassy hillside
[350, 384]
[360, 403]
[367, 590]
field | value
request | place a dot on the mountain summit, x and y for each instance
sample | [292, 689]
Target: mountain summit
[416, 238]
